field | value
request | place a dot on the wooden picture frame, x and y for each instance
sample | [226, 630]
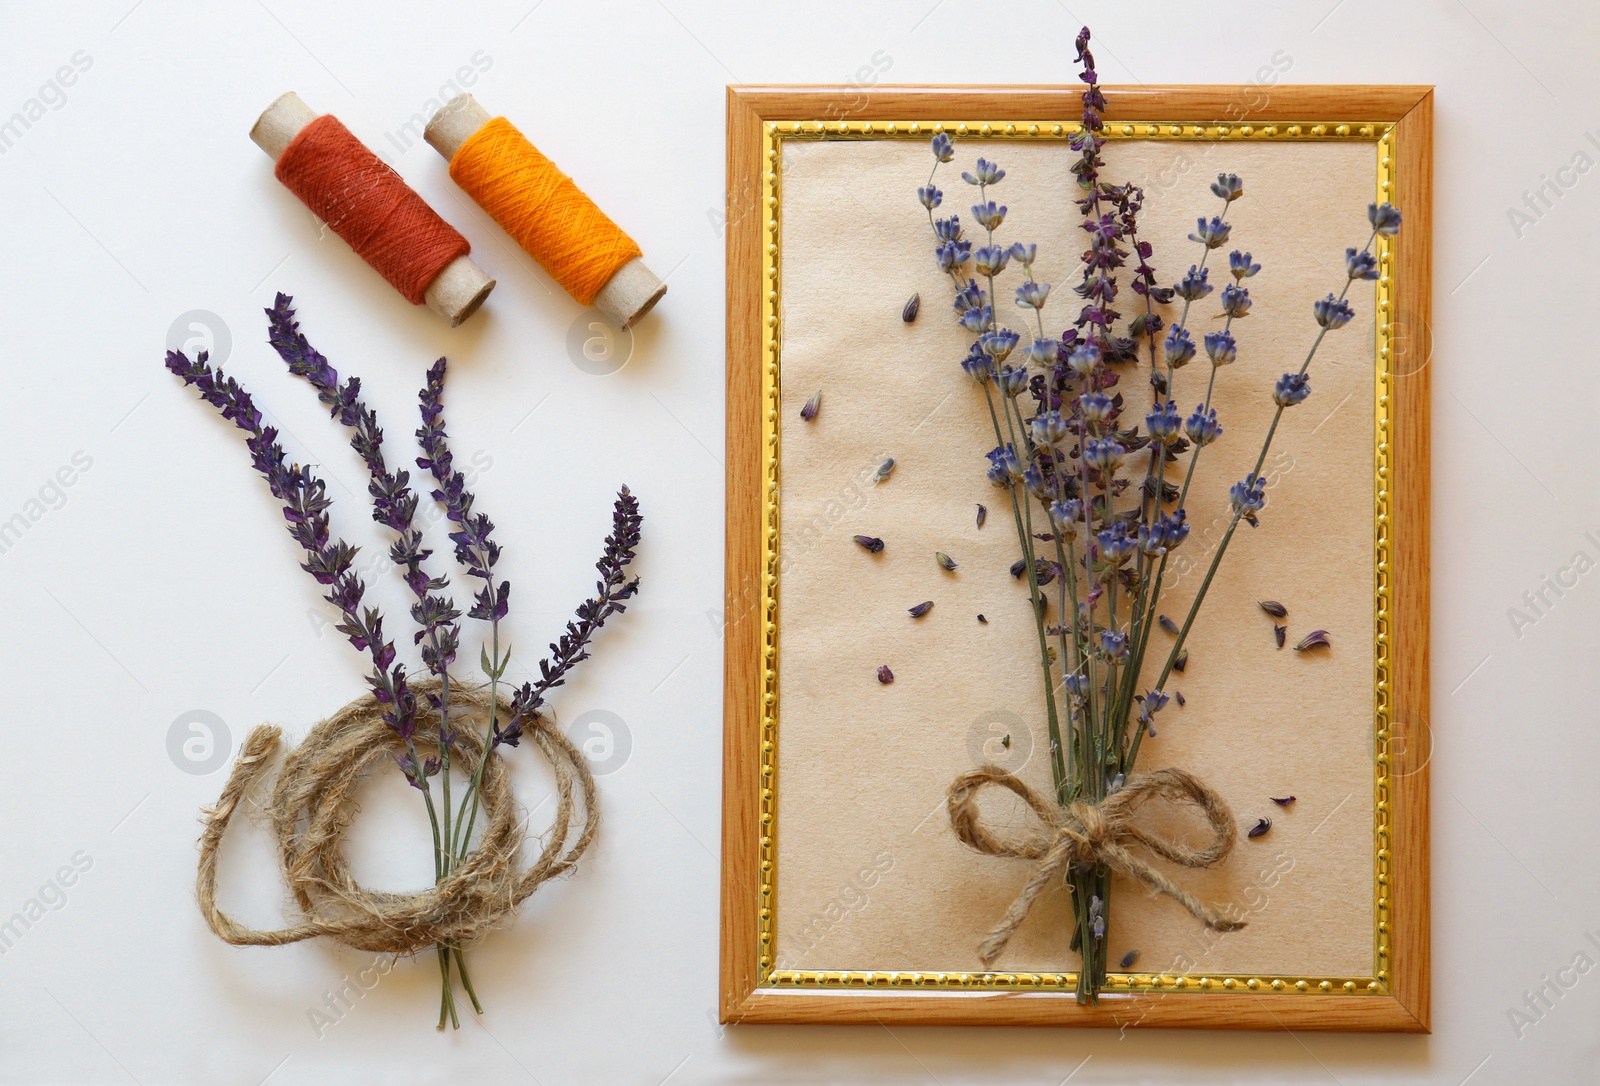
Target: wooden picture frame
[1396, 997]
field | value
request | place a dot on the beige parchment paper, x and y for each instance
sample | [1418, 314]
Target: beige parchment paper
[869, 874]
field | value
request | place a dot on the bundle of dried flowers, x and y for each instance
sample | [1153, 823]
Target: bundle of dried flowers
[1095, 511]
[475, 881]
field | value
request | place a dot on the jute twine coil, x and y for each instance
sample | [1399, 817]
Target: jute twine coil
[1097, 833]
[314, 802]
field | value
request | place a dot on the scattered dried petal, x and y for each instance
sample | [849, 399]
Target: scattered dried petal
[1167, 624]
[983, 620]
[909, 313]
[944, 560]
[1283, 802]
[1279, 632]
[885, 469]
[1273, 608]
[885, 676]
[1262, 826]
[809, 411]
[1005, 740]
[1182, 701]
[1182, 661]
[1129, 958]
[921, 609]
[1018, 567]
[983, 515]
[1316, 639]
[870, 543]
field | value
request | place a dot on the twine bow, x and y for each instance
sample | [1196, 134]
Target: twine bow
[314, 802]
[1098, 833]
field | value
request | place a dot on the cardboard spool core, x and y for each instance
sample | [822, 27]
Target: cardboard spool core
[456, 292]
[628, 295]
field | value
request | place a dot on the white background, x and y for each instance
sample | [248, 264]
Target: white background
[160, 581]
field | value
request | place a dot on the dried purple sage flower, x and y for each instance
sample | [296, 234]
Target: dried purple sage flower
[1262, 826]
[1316, 639]
[909, 313]
[983, 515]
[885, 676]
[870, 543]
[944, 560]
[921, 609]
[983, 621]
[809, 411]
[1273, 608]
[1129, 958]
[1170, 626]
[1182, 661]
[1279, 632]
[1283, 802]
[885, 469]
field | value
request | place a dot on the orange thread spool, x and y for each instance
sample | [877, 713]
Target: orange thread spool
[542, 208]
[547, 214]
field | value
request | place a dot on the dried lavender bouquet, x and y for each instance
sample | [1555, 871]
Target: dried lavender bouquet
[1097, 502]
[476, 880]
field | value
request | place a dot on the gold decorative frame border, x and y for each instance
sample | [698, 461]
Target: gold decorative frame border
[772, 135]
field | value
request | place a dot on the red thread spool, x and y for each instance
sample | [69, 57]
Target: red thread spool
[368, 205]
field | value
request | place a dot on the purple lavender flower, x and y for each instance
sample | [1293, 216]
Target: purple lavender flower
[1103, 454]
[991, 259]
[1024, 253]
[1247, 497]
[393, 503]
[1095, 408]
[1033, 293]
[1212, 234]
[953, 254]
[1221, 348]
[1360, 264]
[612, 592]
[475, 548]
[1164, 424]
[1179, 346]
[1163, 534]
[1292, 388]
[1385, 218]
[1194, 285]
[1228, 186]
[1012, 380]
[1202, 426]
[930, 197]
[328, 560]
[1241, 266]
[984, 173]
[1004, 466]
[943, 149]
[1332, 312]
[989, 215]
[999, 343]
[1048, 428]
[1236, 301]
[948, 230]
[1084, 359]
[1042, 352]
